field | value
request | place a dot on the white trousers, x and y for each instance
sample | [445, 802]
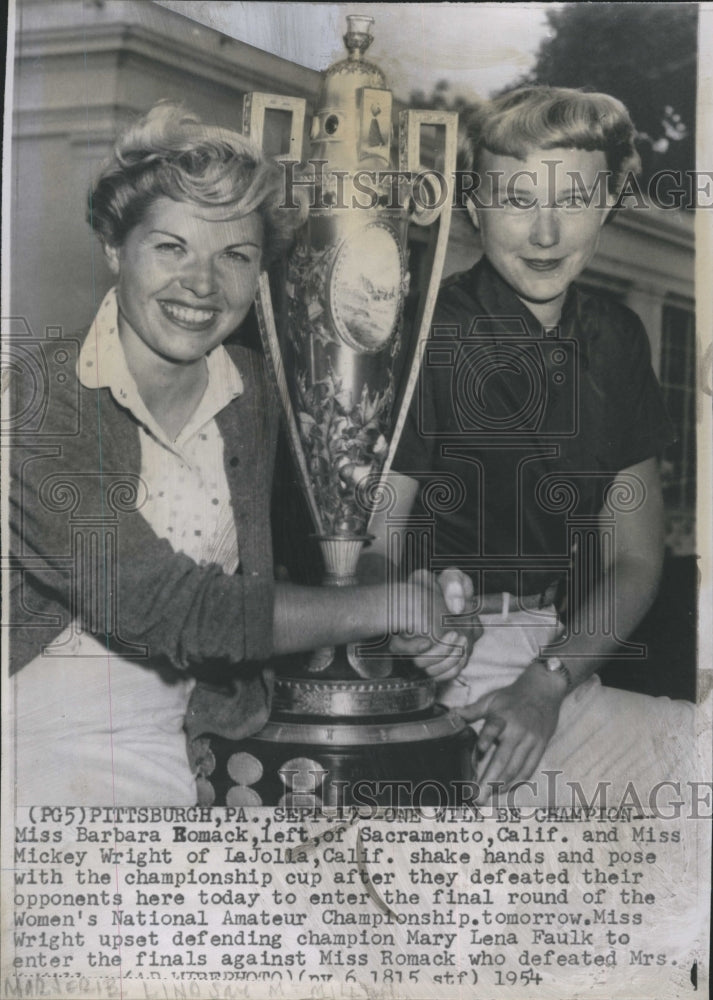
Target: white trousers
[99, 730]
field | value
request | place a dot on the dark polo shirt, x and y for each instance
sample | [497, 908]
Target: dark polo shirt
[516, 432]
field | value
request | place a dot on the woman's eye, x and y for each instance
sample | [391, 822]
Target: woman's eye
[237, 255]
[169, 248]
[572, 203]
[518, 201]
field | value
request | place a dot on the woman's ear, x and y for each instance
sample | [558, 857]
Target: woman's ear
[112, 257]
[611, 200]
[472, 210]
[611, 203]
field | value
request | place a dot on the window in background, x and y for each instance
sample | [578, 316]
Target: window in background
[678, 380]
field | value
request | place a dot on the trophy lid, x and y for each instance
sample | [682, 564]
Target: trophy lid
[357, 71]
[352, 122]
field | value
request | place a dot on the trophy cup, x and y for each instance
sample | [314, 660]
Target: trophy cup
[345, 369]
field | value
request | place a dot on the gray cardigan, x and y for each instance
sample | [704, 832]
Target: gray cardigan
[80, 548]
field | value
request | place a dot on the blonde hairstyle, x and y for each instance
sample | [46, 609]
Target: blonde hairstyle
[529, 118]
[171, 153]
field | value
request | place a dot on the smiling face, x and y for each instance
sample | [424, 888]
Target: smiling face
[541, 231]
[186, 280]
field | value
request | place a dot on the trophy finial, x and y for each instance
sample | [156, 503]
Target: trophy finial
[358, 37]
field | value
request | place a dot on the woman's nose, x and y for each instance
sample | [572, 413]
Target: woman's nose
[545, 228]
[198, 276]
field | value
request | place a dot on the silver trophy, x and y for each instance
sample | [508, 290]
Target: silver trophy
[345, 366]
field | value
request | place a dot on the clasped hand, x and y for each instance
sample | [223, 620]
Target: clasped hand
[440, 651]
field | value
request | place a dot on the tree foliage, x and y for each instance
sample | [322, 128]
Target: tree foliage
[440, 98]
[643, 53]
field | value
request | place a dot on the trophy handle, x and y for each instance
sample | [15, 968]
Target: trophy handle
[271, 347]
[255, 111]
[410, 123]
[255, 117]
[410, 158]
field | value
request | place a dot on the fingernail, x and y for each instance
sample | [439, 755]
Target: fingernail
[455, 599]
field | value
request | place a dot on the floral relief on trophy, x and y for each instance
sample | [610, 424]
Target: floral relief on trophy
[307, 292]
[343, 441]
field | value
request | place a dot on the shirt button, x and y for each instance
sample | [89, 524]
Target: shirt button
[234, 461]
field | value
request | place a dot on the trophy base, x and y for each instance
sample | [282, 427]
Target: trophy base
[423, 760]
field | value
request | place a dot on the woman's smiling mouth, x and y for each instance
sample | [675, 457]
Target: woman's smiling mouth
[551, 264]
[189, 317]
